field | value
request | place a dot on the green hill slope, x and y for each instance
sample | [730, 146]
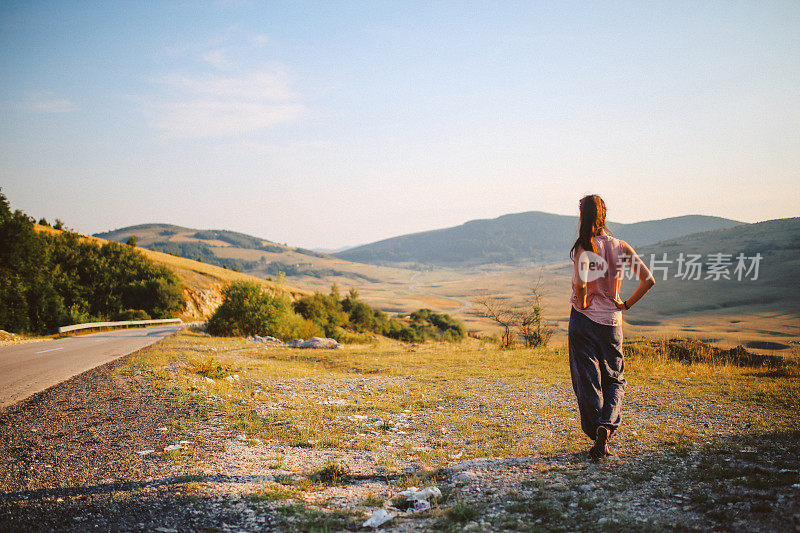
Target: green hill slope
[516, 239]
[775, 287]
[224, 248]
[253, 255]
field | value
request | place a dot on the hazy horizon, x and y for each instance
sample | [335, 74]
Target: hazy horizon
[325, 125]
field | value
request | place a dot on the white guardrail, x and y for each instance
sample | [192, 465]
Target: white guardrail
[89, 325]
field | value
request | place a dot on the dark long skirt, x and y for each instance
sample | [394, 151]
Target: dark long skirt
[596, 364]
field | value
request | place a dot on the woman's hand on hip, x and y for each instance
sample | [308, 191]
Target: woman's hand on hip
[589, 298]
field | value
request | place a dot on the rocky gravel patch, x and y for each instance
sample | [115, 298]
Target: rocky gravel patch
[7, 338]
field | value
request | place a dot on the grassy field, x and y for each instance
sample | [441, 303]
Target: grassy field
[766, 326]
[406, 414]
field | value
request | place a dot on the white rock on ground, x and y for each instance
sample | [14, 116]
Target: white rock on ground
[314, 342]
[418, 499]
[266, 340]
[379, 517]
[319, 342]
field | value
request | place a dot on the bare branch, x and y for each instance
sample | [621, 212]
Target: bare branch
[527, 320]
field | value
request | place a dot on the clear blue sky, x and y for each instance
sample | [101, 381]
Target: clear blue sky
[331, 123]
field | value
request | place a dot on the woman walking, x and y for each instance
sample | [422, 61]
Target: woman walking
[595, 323]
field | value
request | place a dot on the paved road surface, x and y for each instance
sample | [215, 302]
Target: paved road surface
[31, 367]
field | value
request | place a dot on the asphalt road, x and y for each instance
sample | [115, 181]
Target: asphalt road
[28, 368]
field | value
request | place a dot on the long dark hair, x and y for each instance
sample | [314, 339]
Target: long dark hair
[593, 222]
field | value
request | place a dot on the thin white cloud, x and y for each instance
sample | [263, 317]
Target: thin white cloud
[217, 58]
[238, 95]
[203, 118]
[225, 106]
[260, 39]
[255, 85]
[47, 102]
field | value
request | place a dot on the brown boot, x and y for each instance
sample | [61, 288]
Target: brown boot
[598, 451]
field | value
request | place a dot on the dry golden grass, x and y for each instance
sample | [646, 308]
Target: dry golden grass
[436, 403]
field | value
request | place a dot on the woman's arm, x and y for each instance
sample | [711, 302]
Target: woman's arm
[579, 284]
[584, 299]
[646, 280]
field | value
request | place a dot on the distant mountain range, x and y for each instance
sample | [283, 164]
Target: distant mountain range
[515, 239]
[519, 238]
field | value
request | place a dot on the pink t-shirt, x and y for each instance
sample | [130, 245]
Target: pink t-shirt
[602, 281]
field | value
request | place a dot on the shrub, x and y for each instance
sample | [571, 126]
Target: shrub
[339, 318]
[526, 320]
[462, 512]
[248, 309]
[428, 324]
[332, 474]
[208, 367]
[131, 314]
[324, 310]
[78, 313]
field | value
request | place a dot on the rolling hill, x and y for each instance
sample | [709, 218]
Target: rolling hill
[229, 251]
[774, 287]
[237, 251]
[200, 244]
[759, 311]
[203, 282]
[519, 238]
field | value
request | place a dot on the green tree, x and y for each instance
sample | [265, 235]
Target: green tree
[14, 308]
[28, 299]
[131, 314]
[335, 291]
[248, 309]
[5, 208]
[362, 316]
[48, 280]
[132, 240]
